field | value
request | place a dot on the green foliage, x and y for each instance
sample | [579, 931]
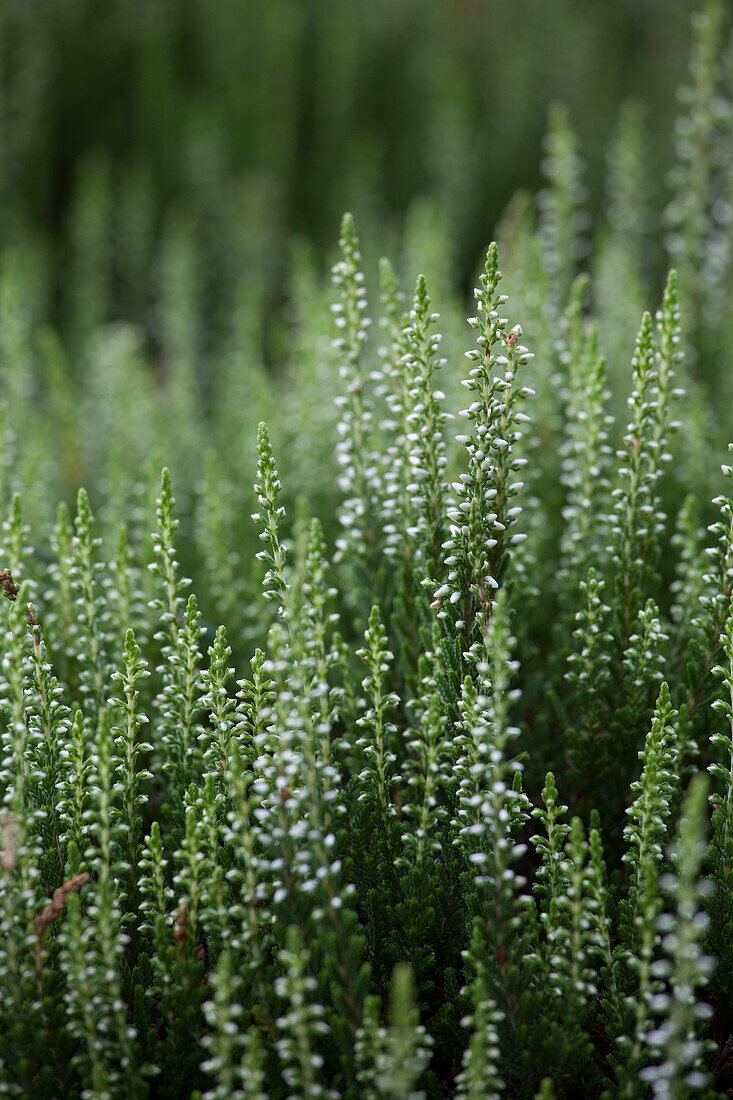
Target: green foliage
[406, 800]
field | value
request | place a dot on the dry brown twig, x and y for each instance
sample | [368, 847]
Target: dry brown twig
[8, 586]
[10, 589]
[55, 907]
[180, 934]
[9, 842]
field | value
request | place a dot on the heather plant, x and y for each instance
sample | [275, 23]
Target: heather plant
[398, 765]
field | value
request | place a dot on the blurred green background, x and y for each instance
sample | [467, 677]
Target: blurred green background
[126, 123]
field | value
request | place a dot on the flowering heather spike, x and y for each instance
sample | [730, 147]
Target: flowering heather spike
[92, 627]
[13, 537]
[649, 813]
[695, 216]
[165, 565]
[675, 1061]
[392, 1059]
[482, 514]
[220, 706]
[358, 480]
[628, 181]
[586, 460]
[375, 777]
[721, 845]
[425, 420]
[480, 1074]
[129, 772]
[560, 203]
[267, 489]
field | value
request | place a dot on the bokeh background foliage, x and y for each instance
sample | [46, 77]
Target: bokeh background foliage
[254, 119]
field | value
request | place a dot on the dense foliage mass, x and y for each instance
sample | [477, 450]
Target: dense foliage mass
[445, 807]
